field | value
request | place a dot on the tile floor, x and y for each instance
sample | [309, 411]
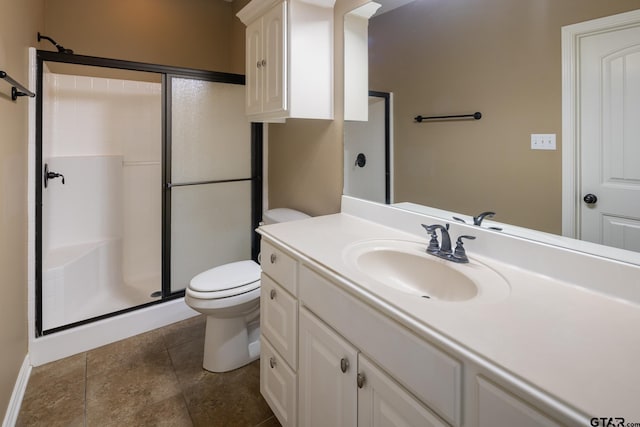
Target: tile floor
[152, 379]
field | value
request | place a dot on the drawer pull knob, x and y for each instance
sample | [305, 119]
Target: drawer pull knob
[273, 258]
[272, 362]
[360, 380]
[344, 364]
[272, 294]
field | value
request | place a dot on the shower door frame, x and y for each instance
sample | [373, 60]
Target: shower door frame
[166, 72]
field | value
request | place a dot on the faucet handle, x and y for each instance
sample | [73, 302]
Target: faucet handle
[459, 253]
[434, 245]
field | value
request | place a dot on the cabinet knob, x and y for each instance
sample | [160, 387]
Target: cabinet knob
[272, 294]
[344, 364]
[259, 64]
[360, 380]
[273, 258]
[272, 362]
[263, 62]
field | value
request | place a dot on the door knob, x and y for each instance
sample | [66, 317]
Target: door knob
[361, 160]
[590, 199]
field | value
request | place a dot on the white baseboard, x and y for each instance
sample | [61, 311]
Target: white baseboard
[11, 416]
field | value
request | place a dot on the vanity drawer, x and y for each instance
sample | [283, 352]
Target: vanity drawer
[279, 266]
[279, 319]
[278, 384]
[429, 373]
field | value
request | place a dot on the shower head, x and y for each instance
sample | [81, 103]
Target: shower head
[59, 47]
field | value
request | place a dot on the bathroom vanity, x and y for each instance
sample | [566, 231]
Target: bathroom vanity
[354, 334]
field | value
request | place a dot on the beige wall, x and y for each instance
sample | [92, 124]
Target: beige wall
[186, 33]
[305, 165]
[500, 57]
[19, 23]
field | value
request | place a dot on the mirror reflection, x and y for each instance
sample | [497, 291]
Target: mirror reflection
[503, 59]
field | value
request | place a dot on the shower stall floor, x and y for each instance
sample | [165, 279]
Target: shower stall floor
[108, 300]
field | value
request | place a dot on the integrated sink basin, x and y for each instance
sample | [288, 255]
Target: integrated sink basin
[407, 267]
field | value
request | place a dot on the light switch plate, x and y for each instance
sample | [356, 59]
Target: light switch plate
[543, 141]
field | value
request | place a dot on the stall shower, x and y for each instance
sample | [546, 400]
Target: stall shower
[148, 176]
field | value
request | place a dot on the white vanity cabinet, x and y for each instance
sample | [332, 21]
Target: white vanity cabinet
[330, 357]
[289, 59]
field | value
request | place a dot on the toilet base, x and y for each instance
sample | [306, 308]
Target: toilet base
[230, 343]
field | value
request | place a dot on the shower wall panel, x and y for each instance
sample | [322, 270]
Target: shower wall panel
[95, 117]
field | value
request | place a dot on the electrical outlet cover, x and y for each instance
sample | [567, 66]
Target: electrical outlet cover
[543, 141]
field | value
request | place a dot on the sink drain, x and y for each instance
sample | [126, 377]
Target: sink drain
[156, 294]
[426, 296]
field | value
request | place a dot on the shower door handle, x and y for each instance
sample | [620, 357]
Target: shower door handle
[51, 175]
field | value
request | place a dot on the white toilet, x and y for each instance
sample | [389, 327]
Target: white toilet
[230, 297]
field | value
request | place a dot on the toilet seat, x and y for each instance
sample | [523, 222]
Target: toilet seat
[227, 293]
[225, 281]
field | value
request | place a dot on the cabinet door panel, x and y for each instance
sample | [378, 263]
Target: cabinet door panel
[382, 402]
[327, 395]
[497, 407]
[254, 84]
[277, 385]
[275, 54]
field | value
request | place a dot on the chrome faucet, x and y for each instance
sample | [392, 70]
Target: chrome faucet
[444, 250]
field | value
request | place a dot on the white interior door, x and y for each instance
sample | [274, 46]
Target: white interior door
[609, 137]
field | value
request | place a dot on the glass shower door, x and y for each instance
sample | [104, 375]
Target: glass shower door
[210, 178]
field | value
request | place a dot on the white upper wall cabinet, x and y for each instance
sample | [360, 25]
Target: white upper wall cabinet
[289, 62]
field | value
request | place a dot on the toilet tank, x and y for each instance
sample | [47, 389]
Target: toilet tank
[274, 216]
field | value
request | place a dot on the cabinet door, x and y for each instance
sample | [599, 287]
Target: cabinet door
[278, 314]
[498, 407]
[326, 375]
[277, 385]
[254, 82]
[274, 68]
[382, 402]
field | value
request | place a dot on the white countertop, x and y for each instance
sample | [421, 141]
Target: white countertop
[576, 345]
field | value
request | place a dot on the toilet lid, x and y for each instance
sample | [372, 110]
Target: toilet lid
[227, 276]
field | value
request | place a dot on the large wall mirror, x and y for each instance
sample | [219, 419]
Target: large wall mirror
[502, 58]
